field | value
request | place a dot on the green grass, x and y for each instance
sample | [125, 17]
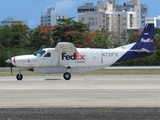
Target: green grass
[125, 72]
[98, 72]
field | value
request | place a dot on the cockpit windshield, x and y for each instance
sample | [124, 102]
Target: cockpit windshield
[39, 53]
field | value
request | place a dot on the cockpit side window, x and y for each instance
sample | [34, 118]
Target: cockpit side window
[39, 53]
[47, 55]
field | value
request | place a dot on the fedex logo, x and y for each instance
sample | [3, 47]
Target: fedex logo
[75, 56]
[146, 40]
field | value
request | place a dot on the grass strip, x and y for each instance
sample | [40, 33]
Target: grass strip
[98, 72]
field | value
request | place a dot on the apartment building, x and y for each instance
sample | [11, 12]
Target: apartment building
[141, 10]
[111, 21]
[9, 21]
[86, 7]
[155, 20]
[50, 18]
[144, 14]
[104, 17]
[123, 21]
[114, 2]
[107, 14]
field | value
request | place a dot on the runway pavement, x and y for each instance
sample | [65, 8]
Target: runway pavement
[129, 95]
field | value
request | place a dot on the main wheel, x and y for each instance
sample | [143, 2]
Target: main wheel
[19, 76]
[67, 76]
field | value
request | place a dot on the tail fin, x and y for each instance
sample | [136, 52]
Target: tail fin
[144, 46]
[146, 39]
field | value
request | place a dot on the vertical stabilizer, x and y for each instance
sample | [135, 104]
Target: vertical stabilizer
[146, 39]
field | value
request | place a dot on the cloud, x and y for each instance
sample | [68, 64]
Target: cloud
[31, 23]
[64, 5]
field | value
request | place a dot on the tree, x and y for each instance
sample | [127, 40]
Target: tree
[41, 37]
[13, 41]
[14, 36]
[132, 36]
[69, 30]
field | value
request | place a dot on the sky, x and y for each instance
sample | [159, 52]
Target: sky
[31, 10]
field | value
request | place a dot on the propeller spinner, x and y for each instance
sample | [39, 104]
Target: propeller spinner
[10, 62]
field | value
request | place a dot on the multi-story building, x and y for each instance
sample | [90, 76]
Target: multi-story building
[104, 17]
[107, 14]
[135, 6]
[144, 14]
[50, 18]
[111, 21]
[114, 2]
[123, 21]
[155, 20]
[9, 21]
[86, 7]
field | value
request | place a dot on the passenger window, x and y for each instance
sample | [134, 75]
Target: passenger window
[47, 55]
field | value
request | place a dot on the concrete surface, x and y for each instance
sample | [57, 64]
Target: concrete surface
[81, 91]
[84, 97]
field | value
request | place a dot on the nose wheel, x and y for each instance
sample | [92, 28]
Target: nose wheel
[19, 76]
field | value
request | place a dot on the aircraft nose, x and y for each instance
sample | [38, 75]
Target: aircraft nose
[9, 61]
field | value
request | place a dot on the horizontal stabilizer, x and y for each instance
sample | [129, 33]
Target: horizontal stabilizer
[143, 50]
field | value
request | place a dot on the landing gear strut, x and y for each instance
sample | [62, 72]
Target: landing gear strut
[67, 75]
[19, 76]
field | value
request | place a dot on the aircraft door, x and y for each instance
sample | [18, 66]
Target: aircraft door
[49, 59]
[46, 60]
[94, 57]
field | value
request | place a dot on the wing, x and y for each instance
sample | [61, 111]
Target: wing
[65, 47]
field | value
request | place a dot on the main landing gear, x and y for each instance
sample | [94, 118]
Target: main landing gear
[67, 75]
[19, 76]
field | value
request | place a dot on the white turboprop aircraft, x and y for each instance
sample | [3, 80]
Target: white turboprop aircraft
[66, 58]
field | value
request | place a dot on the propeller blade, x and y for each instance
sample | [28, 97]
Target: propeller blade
[11, 69]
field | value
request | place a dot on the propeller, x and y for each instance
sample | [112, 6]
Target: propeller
[10, 62]
[11, 69]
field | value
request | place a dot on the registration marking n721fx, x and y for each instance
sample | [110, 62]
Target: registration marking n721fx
[110, 54]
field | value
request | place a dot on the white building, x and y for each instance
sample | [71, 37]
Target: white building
[50, 18]
[123, 21]
[109, 15]
[155, 20]
[106, 18]
[141, 10]
[9, 21]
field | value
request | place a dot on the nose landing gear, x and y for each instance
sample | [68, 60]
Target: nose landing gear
[19, 76]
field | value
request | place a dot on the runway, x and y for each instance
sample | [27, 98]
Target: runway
[97, 92]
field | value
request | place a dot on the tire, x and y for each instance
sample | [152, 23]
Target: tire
[19, 77]
[67, 76]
